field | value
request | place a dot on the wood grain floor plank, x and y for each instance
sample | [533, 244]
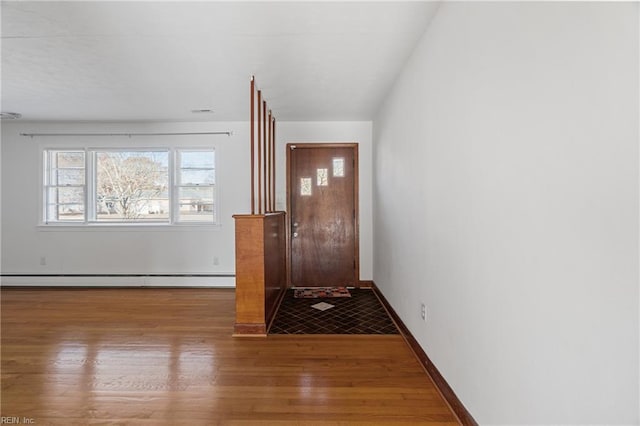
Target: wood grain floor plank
[166, 357]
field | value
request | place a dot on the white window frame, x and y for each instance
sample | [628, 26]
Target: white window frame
[177, 184]
[92, 176]
[46, 185]
[90, 207]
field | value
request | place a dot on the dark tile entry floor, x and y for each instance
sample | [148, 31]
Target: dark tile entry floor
[361, 313]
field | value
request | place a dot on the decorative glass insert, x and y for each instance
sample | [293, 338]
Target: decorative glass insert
[323, 177]
[305, 186]
[338, 167]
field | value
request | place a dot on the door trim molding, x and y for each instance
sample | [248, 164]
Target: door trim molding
[356, 196]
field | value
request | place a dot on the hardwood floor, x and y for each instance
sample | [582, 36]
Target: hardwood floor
[166, 357]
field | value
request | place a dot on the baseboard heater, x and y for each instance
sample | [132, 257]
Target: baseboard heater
[117, 275]
[225, 280]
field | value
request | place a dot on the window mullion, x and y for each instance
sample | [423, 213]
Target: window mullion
[89, 196]
[47, 178]
[173, 192]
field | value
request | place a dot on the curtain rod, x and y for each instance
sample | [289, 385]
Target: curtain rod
[228, 133]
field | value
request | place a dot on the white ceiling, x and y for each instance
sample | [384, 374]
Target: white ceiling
[158, 60]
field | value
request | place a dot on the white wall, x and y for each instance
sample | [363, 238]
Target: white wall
[146, 250]
[121, 249]
[506, 198]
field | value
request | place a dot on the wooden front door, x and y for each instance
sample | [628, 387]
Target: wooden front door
[323, 199]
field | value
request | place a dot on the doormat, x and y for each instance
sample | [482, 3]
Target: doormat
[316, 292]
[362, 313]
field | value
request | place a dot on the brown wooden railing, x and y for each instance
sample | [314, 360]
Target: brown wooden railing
[260, 236]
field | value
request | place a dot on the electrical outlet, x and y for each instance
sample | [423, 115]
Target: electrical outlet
[423, 312]
[216, 261]
[43, 261]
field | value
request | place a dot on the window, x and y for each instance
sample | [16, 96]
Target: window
[64, 186]
[196, 185]
[129, 186]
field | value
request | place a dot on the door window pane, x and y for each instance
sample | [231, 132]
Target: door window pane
[323, 178]
[305, 186]
[338, 167]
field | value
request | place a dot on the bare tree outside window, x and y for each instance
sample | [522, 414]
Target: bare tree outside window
[132, 185]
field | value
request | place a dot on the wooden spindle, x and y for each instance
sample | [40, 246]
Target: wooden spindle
[270, 165]
[264, 143]
[253, 165]
[263, 186]
[259, 153]
[273, 167]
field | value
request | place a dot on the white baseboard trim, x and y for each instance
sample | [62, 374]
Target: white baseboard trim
[118, 281]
